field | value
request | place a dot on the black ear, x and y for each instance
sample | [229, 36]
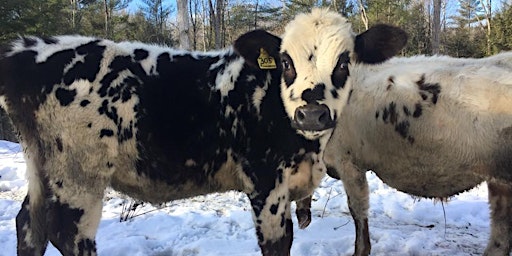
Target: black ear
[249, 46]
[379, 43]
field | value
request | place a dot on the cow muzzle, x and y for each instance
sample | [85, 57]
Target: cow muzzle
[313, 117]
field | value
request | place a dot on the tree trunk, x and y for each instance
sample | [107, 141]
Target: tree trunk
[488, 15]
[183, 24]
[364, 17]
[436, 27]
[107, 19]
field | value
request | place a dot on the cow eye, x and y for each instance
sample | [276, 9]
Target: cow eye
[286, 65]
[343, 65]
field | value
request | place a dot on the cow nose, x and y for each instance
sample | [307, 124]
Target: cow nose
[313, 117]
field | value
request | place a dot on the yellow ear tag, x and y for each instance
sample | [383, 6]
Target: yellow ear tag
[266, 61]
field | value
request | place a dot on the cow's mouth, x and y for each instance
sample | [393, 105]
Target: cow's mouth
[313, 118]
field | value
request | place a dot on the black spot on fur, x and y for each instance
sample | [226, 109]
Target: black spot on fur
[29, 42]
[64, 96]
[89, 125]
[273, 209]
[106, 132]
[417, 110]
[140, 54]
[310, 57]
[86, 247]
[406, 111]
[402, 128]
[59, 183]
[349, 96]
[393, 114]
[312, 96]
[84, 103]
[62, 222]
[377, 115]
[426, 88]
[50, 40]
[59, 144]
[110, 165]
[90, 66]
[385, 115]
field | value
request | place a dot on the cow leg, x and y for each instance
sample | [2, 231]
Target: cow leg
[500, 200]
[272, 219]
[303, 212]
[31, 228]
[74, 213]
[356, 187]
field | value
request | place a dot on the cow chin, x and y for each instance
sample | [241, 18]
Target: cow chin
[314, 135]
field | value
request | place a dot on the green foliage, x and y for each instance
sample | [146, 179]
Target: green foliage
[464, 34]
[502, 30]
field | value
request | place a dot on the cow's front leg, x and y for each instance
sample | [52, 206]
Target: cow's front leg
[74, 213]
[272, 219]
[303, 212]
[500, 200]
[356, 187]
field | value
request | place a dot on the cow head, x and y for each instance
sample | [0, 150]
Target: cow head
[318, 52]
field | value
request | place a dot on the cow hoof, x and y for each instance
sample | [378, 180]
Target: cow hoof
[304, 218]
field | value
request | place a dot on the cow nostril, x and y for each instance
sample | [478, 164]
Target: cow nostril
[300, 115]
[324, 118]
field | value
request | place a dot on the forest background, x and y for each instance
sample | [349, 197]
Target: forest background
[459, 28]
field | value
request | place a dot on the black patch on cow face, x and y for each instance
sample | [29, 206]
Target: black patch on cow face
[340, 72]
[29, 42]
[140, 54]
[64, 96]
[289, 72]
[59, 144]
[426, 88]
[312, 96]
[334, 93]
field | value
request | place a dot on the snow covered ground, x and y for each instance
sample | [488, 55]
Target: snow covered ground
[221, 224]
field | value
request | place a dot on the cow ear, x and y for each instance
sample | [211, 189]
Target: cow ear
[379, 43]
[259, 48]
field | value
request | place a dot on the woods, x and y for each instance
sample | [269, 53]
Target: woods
[459, 28]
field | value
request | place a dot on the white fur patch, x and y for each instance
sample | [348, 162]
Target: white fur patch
[225, 81]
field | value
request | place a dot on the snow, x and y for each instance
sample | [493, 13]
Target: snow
[221, 224]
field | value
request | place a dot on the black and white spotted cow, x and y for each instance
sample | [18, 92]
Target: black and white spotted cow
[428, 126]
[154, 123]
